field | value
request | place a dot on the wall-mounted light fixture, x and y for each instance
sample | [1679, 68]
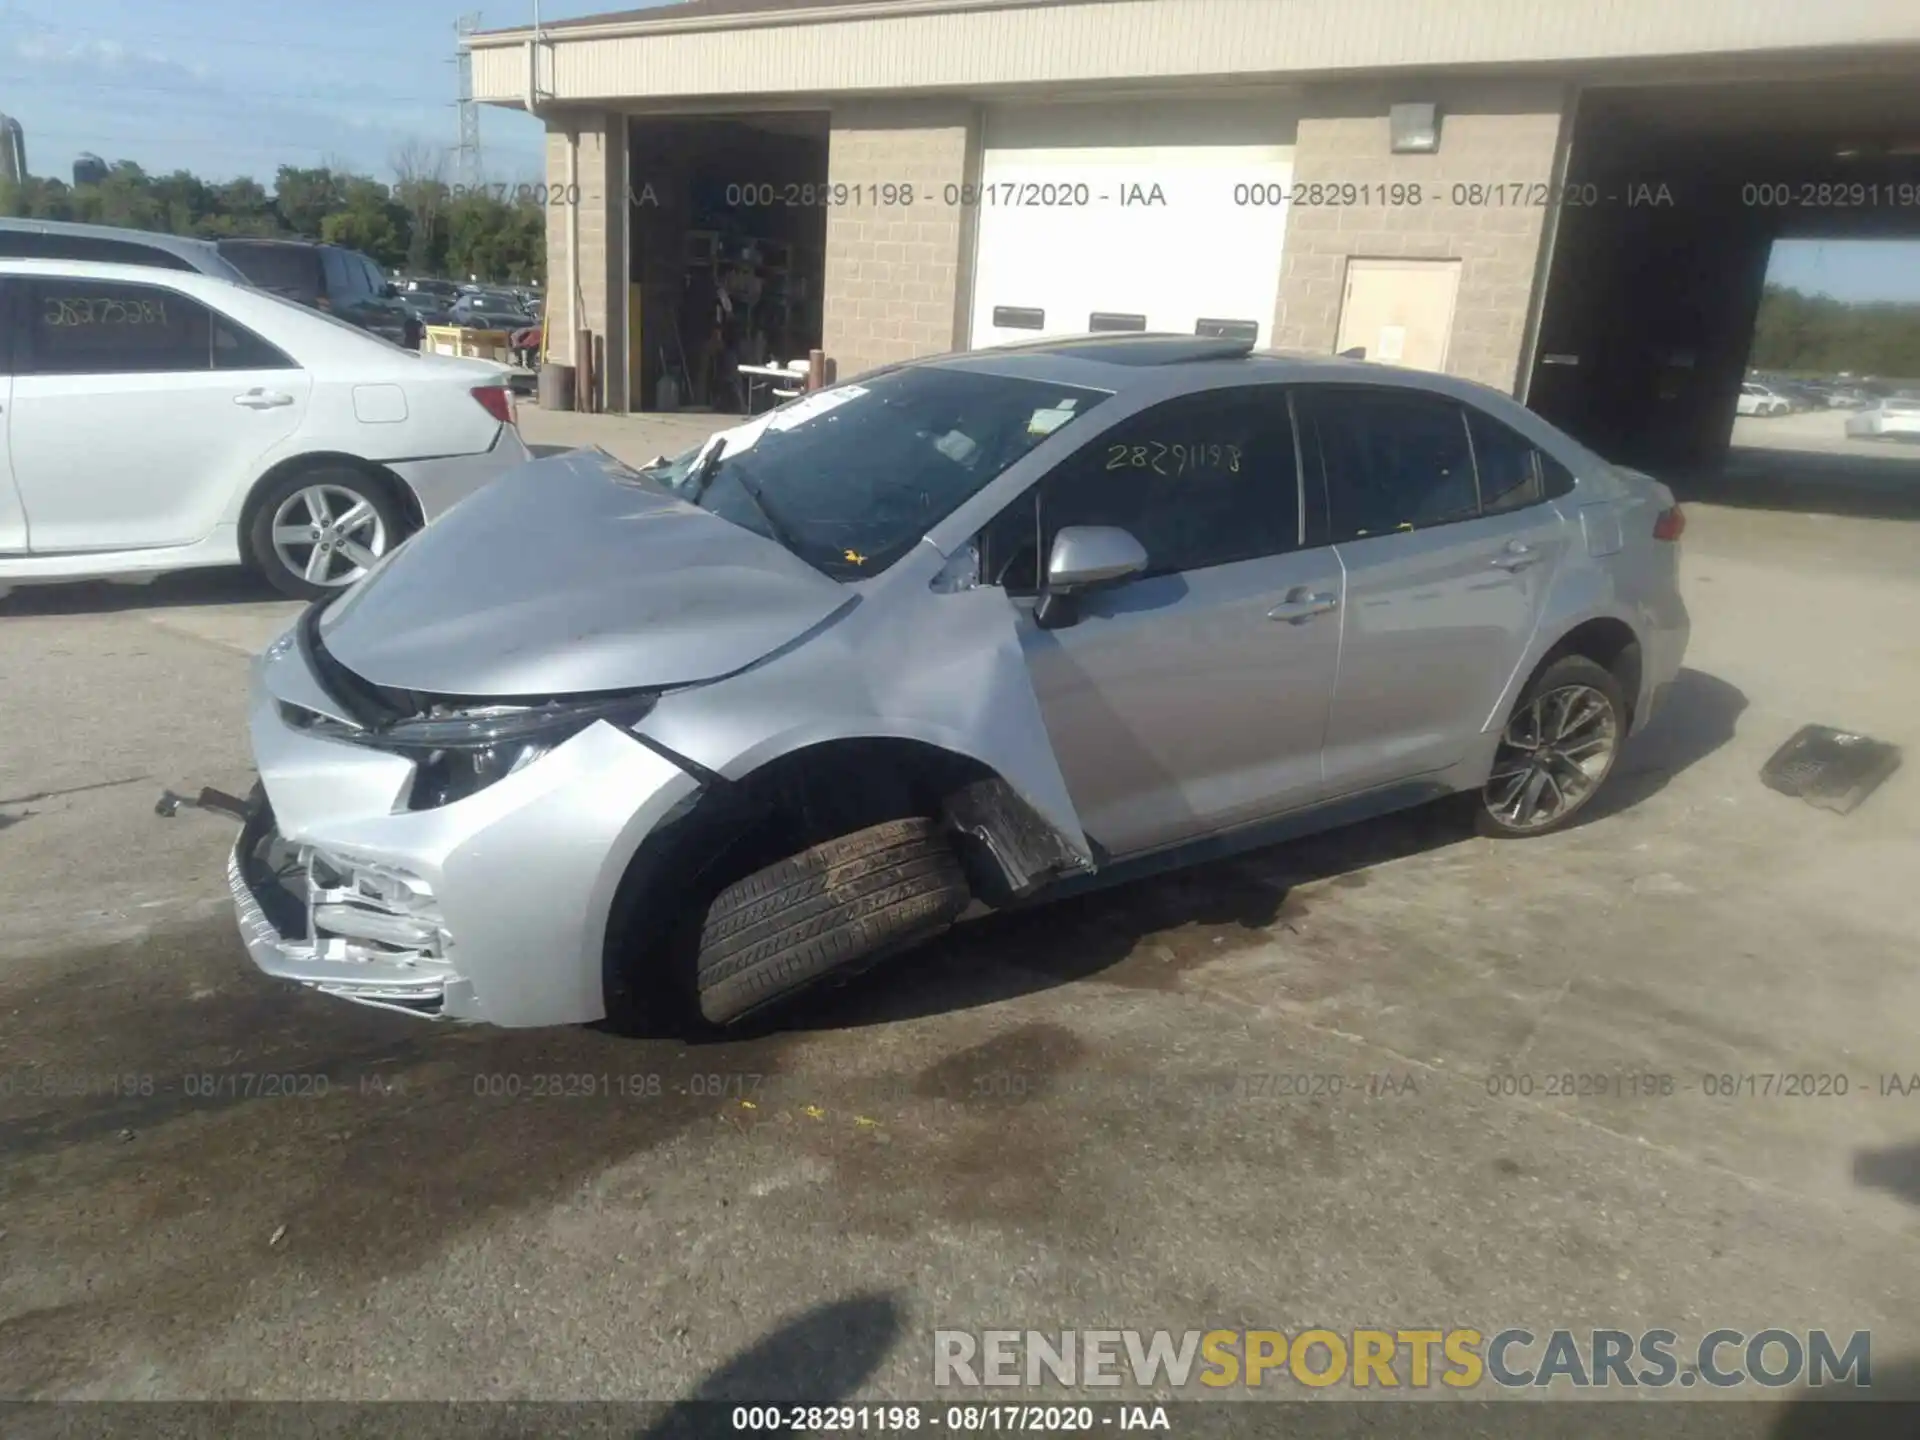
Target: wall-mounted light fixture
[1415, 129]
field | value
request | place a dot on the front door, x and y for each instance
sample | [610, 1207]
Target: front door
[137, 414]
[1192, 698]
[1443, 593]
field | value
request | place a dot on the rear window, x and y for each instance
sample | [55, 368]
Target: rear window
[289, 270]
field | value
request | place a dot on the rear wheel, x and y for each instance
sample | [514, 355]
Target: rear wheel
[317, 531]
[1557, 750]
[830, 910]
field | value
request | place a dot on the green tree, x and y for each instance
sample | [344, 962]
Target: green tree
[414, 222]
[305, 197]
[370, 221]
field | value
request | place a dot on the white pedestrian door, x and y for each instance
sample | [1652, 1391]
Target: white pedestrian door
[1399, 311]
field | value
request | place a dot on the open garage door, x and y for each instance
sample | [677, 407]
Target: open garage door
[1141, 217]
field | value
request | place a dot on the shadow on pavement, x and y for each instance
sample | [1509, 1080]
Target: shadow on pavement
[222, 585]
[1144, 935]
[1895, 1170]
[1892, 1412]
[1885, 487]
[820, 1357]
[1696, 717]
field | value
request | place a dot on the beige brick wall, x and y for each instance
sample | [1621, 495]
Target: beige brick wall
[1490, 133]
[895, 276]
[601, 176]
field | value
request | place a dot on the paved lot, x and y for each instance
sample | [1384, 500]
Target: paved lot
[1063, 1119]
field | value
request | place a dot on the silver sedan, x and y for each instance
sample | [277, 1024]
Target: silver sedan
[958, 635]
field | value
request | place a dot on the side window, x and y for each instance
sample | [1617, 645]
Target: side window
[1206, 479]
[237, 348]
[370, 276]
[1556, 479]
[1508, 465]
[106, 327]
[1393, 459]
[340, 286]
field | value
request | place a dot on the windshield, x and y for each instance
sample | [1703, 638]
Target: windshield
[850, 478]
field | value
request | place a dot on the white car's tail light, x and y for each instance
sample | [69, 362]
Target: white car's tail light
[496, 400]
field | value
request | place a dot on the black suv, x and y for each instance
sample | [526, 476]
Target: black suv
[328, 277]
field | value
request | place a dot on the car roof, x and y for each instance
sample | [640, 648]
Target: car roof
[1120, 362]
[202, 255]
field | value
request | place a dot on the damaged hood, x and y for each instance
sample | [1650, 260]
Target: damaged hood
[568, 576]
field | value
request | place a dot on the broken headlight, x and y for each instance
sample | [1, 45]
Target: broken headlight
[459, 750]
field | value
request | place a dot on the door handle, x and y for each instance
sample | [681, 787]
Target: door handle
[1517, 556]
[262, 399]
[1303, 604]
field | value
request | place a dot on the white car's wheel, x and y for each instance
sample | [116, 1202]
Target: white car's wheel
[317, 531]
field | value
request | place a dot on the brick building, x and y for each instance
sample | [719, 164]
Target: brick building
[1453, 185]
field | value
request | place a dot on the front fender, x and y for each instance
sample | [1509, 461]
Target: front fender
[949, 673]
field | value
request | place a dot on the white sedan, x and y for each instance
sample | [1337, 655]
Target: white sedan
[1896, 417]
[1759, 400]
[159, 420]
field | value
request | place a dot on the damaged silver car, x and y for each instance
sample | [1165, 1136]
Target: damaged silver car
[957, 635]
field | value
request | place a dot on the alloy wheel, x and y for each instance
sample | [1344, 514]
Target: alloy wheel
[328, 534]
[1553, 755]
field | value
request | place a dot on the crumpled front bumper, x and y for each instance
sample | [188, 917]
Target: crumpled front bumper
[492, 908]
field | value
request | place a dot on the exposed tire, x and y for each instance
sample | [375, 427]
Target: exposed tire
[1557, 750]
[359, 520]
[825, 910]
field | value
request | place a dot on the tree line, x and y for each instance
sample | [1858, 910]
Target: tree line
[1818, 335]
[418, 223]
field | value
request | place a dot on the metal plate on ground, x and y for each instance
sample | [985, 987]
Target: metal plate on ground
[1834, 769]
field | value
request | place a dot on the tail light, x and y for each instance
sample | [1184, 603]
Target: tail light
[496, 400]
[1671, 524]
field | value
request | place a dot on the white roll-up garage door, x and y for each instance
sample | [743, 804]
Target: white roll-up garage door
[1167, 217]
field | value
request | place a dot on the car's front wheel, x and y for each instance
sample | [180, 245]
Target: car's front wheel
[1557, 750]
[829, 910]
[317, 531]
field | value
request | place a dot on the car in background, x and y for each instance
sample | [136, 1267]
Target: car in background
[487, 310]
[1895, 417]
[1758, 399]
[429, 292]
[1846, 397]
[956, 635]
[160, 420]
[23, 239]
[332, 278]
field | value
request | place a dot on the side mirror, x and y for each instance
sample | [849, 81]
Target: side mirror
[1085, 557]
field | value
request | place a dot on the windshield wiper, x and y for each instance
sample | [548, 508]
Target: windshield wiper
[703, 470]
[752, 491]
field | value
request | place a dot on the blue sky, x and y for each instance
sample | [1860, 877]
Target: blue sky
[241, 87]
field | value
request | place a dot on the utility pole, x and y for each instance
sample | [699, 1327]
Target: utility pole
[467, 152]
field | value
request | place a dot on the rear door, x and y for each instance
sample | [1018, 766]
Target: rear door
[1193, 698]
[1442, 593]
[137, 412]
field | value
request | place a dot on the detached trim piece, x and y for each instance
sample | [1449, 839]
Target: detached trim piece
[1247, 330]
[1019, 317]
